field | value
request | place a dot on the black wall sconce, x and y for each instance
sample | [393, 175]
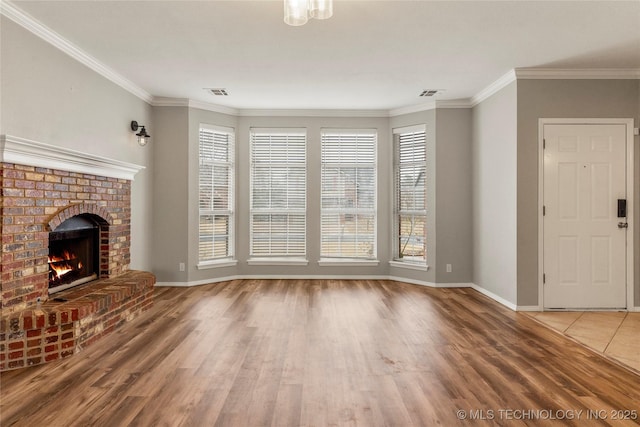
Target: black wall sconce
[143, 136]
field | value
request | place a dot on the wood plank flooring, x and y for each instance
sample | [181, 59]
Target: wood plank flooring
[323, 353]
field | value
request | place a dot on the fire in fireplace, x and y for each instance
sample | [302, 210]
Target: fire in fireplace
[73, 253]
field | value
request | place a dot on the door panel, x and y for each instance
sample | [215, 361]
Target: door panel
[568, 190]
[584, 250]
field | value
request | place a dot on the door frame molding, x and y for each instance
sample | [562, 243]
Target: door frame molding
[628, 123]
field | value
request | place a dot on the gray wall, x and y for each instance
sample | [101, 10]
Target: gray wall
[170, 193]
[175, 197]
[494, 191]
[562, 99]
[454, 240]
[49, 97]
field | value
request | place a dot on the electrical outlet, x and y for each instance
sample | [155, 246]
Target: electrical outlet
[181, 266]
[448, 268]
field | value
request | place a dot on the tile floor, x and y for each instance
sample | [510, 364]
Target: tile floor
[615, 334]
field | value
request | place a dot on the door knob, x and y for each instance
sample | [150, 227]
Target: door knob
[623, 225]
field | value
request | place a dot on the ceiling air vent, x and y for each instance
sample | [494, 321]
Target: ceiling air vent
[218, 91]
[430, 92]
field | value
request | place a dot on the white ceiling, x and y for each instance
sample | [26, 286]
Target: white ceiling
[369, 55]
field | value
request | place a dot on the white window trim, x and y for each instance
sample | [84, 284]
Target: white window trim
[410, 129]
[348, 262]
[288, 131]
[347, 131]
[216, 128]
[231, 258]
[217, 263]
[278, 261]
[328, 261]
[397, 261]
[409, 265]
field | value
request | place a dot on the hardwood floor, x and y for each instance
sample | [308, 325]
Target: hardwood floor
[324, 353]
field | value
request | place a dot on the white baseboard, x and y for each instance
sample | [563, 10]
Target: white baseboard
[310, 277]
[267, 277]
[313, 277]
[197, 282]
[528, 308]
[503, 301]
[495, 297]
[410, 281]
[454, 285]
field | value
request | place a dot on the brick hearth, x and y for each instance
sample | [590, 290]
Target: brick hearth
[72, 320]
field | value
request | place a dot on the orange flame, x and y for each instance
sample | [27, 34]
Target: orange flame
[57, 264]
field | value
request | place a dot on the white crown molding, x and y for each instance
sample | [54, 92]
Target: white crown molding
[553, 74]
[45, 33]
[23, 151]
[184, 102]
[493, 88]
[431, 105]
[454, 103]
[169, 102]
[575, 74]
[312, 113]
[213, 107]
[202, 105]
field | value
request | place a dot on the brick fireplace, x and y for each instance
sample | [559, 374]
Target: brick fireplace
[42, 187]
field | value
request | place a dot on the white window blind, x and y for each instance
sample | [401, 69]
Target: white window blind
[216, 188]
[348, 209]
[278, 192]
[410, 196]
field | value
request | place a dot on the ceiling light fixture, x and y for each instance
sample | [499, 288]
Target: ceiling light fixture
[143, 136]
[297, 12]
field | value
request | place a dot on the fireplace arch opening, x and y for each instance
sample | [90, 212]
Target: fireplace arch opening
[74, 252]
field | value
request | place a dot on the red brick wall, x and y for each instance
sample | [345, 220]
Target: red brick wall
[35, 201]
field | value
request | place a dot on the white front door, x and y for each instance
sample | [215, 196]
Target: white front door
[584, 239]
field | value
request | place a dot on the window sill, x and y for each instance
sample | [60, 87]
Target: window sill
[205, 265]
[347, 262]
[277, 261]
[409, 265]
